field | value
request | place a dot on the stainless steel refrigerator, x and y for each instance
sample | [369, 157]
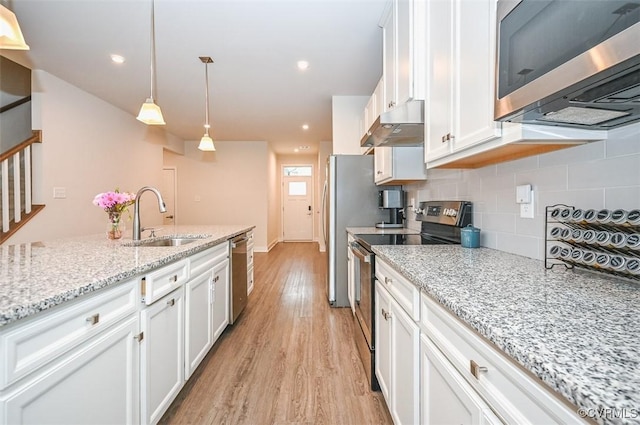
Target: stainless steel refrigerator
[350, 199]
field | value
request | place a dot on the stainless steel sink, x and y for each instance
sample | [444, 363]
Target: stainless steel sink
[166, 241]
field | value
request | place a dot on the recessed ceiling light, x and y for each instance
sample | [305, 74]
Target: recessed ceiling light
[302, 65]
[305, 126]
[304, 148]
[117, 59]
[296, 150]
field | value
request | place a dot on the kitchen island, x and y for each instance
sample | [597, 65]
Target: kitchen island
[574, 331]
[108, 331]
[40, 275]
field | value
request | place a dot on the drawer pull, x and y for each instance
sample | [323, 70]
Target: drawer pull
[171, 302]
[388, 280]
[476, 369]
[173, 278]
[139, 337]
[93, 320]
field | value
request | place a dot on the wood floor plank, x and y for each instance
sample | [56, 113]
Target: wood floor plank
[289, 359]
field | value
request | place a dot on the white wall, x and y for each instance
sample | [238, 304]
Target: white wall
[89, 146]
[347, 116]
[274, 215]
[603, 174]
[231, 184]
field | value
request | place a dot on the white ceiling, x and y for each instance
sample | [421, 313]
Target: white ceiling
[256, 90]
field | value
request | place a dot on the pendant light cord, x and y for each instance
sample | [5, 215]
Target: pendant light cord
[153, 44]
[206, 98]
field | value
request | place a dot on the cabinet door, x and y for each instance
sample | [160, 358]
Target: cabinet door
[383, 163]
[405, 367]
[221, 298]
[440, 79]
[476, 45]
[446, 397]
[383, 341]
[162, 355]
[198, 320]
[96, 383]
[389, 56]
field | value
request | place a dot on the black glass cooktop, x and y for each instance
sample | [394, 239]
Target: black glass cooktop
[388, 239]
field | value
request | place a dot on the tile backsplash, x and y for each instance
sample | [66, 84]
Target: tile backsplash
[604, 174]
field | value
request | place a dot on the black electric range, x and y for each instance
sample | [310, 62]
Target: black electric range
[368, 240]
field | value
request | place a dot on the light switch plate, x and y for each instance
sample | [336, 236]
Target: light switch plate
[523, 194]
[59, 192]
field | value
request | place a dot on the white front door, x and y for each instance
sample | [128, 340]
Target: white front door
[297, 199]
[168, 191]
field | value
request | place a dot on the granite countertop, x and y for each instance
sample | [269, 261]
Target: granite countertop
[576, 330]
[39, 275]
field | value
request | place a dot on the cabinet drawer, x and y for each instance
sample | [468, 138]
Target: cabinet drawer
[31, 345]
[163, 280]
[404, 292]
[513, 394]
[208, 258]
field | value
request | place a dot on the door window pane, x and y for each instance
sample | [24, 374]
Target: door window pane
[297, 189]
[297, 171]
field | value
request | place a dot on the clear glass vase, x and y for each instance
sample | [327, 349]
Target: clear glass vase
[115, 226]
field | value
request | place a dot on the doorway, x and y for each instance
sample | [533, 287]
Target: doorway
[168, 191]
[297, 203]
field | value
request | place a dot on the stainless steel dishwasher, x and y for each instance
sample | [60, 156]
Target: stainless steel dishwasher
[238, 276]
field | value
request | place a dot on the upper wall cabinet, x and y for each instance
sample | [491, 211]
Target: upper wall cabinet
[460, 83]
[403, 27]
[460, 88]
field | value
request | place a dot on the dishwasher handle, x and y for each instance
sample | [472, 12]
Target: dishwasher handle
[239, 240]
[359, 252]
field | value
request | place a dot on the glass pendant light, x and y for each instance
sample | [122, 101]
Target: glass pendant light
[10, 34]
[150, 113]
[206, 143]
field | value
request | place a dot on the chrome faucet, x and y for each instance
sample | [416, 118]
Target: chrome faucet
[136, 209]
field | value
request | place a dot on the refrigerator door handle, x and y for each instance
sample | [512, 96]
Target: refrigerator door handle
[324, 213]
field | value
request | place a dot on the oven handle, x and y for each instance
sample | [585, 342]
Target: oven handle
[358, 252]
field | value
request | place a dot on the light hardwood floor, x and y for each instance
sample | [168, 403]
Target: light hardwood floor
[289, 359]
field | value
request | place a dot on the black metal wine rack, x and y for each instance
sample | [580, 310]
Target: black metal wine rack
[594, 240]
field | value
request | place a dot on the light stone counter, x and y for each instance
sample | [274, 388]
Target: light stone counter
[39, 275]
[576, 330]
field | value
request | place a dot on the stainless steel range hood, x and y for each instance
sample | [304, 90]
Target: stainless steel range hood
[401, 126]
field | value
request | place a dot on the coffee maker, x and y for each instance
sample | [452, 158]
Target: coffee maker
[393, 200]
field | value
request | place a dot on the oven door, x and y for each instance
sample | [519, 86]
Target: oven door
[364, 290]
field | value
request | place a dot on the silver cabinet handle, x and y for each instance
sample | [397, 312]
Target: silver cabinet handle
[173, 278]
[139, 337]
[476, 369]
[388, 280]
[93, 320]
[171, 302]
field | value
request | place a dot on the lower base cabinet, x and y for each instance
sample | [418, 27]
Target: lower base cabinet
[162, 355]
[97, 382]
[397, 358]
[446, 397]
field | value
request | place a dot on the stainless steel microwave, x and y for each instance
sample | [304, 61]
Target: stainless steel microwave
[573, 63]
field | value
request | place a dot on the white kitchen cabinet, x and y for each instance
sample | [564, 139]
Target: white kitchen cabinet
[97, 382]
[397, 358]
[220, 298]
[403, 24]
[505, 388]
[446, 398]
[198, 320]
[399, 165]
[460, 76]
[162, 355]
